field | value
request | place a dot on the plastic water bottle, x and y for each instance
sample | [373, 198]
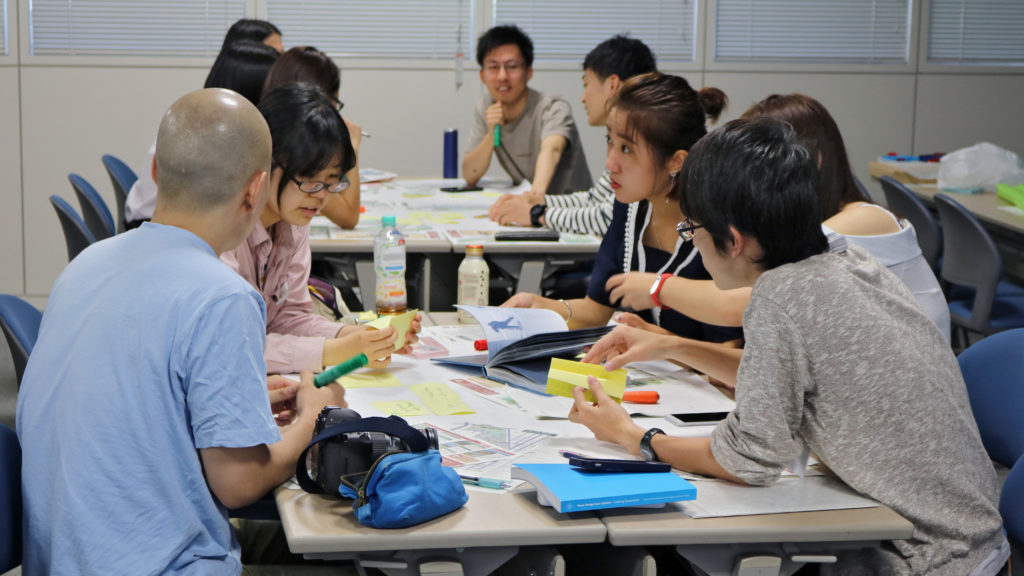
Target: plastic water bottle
[389, 264]
[474, 281]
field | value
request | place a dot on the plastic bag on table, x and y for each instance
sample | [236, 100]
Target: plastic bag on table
[980, 166]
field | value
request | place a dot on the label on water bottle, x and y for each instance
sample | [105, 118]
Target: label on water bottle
[389, 262]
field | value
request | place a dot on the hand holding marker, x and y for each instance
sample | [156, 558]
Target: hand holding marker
[327, 376]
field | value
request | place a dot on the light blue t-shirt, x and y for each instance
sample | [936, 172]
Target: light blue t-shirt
[150, 349]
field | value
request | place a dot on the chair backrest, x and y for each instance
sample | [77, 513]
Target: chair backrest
[94, 210]
[994, 376]
[10, 500]
[76, 233]
[20, 322]
[123, 178]
[970, 258]
[1011, 505]
[904, 203]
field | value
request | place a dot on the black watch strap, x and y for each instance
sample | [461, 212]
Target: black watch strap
[645, 445]
[536, 212]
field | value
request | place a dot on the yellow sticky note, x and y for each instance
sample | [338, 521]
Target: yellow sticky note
[400, 322]
[371, 379]
[441, 399]
[400, 408]
[564, 375]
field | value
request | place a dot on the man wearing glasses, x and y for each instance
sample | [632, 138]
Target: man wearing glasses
[533, 134]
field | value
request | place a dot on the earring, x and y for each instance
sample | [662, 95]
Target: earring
[673, 174]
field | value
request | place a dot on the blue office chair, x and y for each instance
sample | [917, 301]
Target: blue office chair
[970, 258]
[76, 234]
[20, 322]
[123, 178]
[1011, 507]
[94, 210]
[994, 375]
[10, 500]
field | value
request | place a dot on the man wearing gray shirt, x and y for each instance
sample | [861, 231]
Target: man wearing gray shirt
[839, 359]
[537, 140]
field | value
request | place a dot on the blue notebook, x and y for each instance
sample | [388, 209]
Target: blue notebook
[569, 489]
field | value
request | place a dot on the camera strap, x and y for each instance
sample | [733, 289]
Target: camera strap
[392, 425]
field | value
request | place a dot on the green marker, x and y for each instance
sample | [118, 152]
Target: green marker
[497, 135]
[327, 376]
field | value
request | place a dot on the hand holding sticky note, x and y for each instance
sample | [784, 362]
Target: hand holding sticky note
[564, 375]
[402, 323]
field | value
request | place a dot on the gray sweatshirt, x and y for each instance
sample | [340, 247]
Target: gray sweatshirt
[839, 358]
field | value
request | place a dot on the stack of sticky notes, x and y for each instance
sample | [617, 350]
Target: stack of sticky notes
[1012, 194]
[400, 322]
[564, 375]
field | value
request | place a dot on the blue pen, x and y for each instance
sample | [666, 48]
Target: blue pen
[485, 482]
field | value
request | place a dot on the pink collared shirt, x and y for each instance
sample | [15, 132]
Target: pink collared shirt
[277, 264]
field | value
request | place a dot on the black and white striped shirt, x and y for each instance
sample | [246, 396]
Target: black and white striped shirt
[586, 212]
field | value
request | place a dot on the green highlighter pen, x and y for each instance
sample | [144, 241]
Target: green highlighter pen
[327, 376]
[497, 135]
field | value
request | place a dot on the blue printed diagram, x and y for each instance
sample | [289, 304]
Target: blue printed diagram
[509, 323]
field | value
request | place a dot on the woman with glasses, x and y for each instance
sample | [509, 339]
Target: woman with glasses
[307, 64]
[653, 121]
[312, 152]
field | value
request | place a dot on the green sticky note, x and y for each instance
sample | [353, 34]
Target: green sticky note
[370, 379]
[564, 375]
[400, 408]
[402, 323]
[441, 399]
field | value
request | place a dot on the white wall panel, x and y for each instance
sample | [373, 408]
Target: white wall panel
[11, 246]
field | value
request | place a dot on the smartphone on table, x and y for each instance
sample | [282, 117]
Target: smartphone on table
[610, 465]
[697, 419]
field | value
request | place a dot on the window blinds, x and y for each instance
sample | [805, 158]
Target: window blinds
[130, 28]
[812, 31]
[437, 29]
[566, 30]
[978, 32]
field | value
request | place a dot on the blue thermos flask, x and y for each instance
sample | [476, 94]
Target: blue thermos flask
[451, 153]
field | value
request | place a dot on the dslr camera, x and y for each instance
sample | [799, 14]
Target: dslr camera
[351, 452]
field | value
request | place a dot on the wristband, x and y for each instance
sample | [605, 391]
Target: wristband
[656, 289]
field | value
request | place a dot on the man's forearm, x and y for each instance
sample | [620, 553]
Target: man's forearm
[476, 162]
[551, 149]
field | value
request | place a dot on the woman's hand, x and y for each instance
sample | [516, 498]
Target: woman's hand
[632, 290]
[630, 319]
[353, 340]
[282, 393]
[605, 418]
[523, 300]
[511, 210]
[412, 336]
[626, 344]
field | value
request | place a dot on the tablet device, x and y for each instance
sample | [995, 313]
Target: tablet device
[607, 465]
[698, 419]
[539, 235]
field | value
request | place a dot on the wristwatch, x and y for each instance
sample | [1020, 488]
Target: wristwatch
[645, 445]
[656, 289]
[536, 212]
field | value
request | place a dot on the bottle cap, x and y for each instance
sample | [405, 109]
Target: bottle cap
[388, 220]
[474, 249]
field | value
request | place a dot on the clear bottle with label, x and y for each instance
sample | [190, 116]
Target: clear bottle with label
[474, 281]
[389, 264]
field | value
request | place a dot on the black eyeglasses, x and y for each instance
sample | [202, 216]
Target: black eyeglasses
[686, 229]
[313, 186]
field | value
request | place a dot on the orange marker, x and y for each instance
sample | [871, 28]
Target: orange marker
[641, 396]
[480, 344]
[362, 209]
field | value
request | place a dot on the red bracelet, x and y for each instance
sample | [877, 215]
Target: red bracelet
[656, 289]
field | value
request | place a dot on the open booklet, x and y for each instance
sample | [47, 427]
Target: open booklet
[521, 343]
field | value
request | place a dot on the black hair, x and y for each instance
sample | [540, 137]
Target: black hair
[502, 36]
[756, 176]
[250, 30]
[622, 56]
[306, 130]
[666, 112]
[820, 134]
[305, 64]
[242, 67]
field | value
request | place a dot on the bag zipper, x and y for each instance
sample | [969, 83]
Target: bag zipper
[361, 498]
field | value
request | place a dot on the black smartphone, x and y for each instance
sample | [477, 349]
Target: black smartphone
[697, 419]
[539, 235]
[462, 189]
[606, 465]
